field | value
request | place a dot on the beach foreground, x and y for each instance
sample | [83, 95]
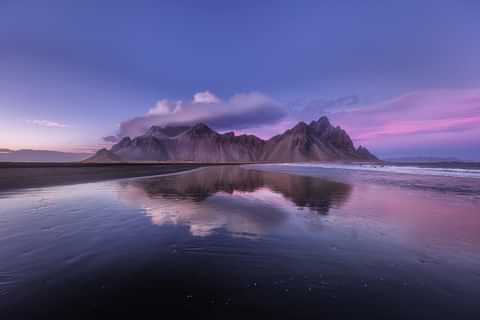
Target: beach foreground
[36, 174]
[260, 241]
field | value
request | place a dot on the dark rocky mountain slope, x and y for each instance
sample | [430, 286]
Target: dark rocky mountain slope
[317, 141]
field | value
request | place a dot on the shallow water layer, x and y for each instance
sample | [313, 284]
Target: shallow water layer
[461, 170]
[271, 241]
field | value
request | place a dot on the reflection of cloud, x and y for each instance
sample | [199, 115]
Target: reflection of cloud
[238, 213]
[244, 202]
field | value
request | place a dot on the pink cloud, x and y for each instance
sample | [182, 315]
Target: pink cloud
[421, 126]
[417, 118]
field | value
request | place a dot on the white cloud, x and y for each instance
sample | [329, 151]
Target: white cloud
[205, 97]
[240, 111]
[47, 123]
[164, 107]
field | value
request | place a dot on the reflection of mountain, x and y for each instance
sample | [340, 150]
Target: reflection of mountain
[314, 193]
[240, 199]
[203, 183]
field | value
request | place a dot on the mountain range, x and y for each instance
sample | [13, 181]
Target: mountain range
[316, 141]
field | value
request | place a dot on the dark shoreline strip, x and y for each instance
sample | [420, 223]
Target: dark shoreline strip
[28, 175]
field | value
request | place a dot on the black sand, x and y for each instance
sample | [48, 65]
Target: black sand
[30, 175]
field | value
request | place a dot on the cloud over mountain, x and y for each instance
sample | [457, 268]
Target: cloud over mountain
[240, 111]
[407, 124]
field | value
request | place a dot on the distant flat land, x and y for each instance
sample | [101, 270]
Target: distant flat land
[16, 175]
[441, 164]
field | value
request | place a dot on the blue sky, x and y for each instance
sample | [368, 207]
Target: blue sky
[72, 72]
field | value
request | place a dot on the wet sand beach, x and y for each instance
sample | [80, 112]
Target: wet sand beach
[236, 242]
[35, 174]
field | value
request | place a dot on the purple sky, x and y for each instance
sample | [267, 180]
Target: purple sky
[403, 78]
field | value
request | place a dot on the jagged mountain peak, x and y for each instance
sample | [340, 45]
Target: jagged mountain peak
[169, 131]
[125, 142]
[156, 131]
[103, 155]
[365, 153]
[317, 141]
[200, 129]
[324, 120]
[201, 126]
[300, 127]
[321, 125]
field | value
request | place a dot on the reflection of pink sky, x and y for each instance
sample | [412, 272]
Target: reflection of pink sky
[391, 214]
[415, 216]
